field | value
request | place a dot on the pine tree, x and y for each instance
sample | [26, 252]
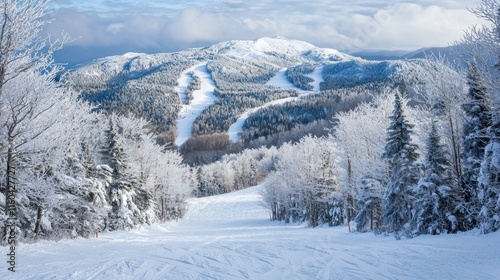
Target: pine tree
[434, 197]
[475, 140]
[369, 206]
[112, 152]
[489, 177]
[401, 154]
[489, 187]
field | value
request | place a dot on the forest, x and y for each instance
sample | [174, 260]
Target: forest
[402, 148]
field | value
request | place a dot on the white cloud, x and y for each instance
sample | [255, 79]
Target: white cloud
[115, 28]
[345, 25]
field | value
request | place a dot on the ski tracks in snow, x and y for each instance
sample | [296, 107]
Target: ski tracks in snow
[230, 237]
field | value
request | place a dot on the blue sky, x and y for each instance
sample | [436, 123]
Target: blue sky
[113, 27]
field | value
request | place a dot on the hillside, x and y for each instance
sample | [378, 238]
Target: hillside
[230, 237]
[224, 89]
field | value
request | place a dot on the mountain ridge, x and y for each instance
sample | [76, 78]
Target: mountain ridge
[147, 85]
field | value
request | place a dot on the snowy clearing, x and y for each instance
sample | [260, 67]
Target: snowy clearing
[280, 81]
[230, 237]
[203, 98]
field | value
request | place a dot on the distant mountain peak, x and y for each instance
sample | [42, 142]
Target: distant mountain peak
[266, 46]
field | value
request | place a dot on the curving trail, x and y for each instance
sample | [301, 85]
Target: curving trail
[279, 81]
[202, 98]
[230, 237]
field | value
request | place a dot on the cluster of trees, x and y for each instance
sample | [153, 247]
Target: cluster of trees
[310, 109]
[296, 75]
[237, 75]
[236, 171]
[304, 185]
[354, 73]
[275, 119]
[66, 171]
[194, 85]
[225, 111]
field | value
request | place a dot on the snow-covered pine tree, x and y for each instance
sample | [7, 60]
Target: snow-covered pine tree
[369, 208]
[489, 175]
[128, 199]
[112, 152]
[489, 185]
[400, 153]
[434, 204]
[475, 139]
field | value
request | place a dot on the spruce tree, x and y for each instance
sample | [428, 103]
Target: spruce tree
[400, 153]
[489, 178]
[489, 186]
[434, 204]
[113, 153]
[475, 140]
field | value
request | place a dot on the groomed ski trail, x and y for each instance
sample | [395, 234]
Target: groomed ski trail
[202, 98]
[230, 237]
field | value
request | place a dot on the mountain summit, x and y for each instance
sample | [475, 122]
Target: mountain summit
[205, 91]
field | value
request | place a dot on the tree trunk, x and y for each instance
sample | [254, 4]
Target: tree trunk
[10, 208]
[456, 152]
[371, 220]
[38, 221]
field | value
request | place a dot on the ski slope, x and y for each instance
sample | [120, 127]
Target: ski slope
[230, 237]
[202, 98]
[279, 81]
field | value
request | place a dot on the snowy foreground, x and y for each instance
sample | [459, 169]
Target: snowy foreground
[230, 237]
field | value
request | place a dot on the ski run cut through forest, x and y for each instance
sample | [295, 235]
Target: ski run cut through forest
[230, 237]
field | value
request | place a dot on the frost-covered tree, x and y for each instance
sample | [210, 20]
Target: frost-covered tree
[400, 153]
[434, 196]
[360, 136]
[22, 48]
[304, 186]
[478, 113]
[489, 187]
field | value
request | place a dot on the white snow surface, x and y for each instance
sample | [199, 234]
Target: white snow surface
[230, 237]
[202, 98]
[279, 81]
[256, 49]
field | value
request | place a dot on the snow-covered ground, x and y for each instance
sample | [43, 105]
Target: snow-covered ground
[280, 81]
[202, 99]
[230, 237]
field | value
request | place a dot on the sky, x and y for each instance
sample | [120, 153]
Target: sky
[107, 27]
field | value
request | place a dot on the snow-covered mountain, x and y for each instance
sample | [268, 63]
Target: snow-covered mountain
[239, 77]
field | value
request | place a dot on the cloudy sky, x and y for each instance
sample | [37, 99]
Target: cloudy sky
[105, 27]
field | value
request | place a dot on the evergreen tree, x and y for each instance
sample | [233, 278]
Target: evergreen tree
[489, 178]
[489, 186]
[401, 154]
[369, 206]
[434, 197]
[113, 153]
[475, 140]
